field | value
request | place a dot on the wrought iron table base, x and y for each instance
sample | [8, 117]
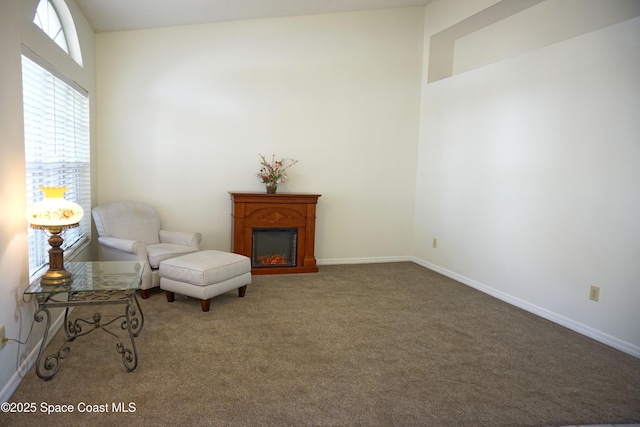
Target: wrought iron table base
[132, 322]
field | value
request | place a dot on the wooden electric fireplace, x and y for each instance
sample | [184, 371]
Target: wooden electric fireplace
[277, 231]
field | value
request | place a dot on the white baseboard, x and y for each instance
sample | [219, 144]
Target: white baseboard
[16, 379]
[373, 260]
[578, 327]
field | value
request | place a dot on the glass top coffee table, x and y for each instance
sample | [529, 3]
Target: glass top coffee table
[93, 283]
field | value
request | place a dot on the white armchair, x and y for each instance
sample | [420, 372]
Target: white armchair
[131, 231]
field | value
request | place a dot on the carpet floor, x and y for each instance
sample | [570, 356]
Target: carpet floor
[353, 345]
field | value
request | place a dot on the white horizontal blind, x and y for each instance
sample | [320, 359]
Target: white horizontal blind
[56, 129]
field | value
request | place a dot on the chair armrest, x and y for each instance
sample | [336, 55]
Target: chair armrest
[181, 238]
[125, 246]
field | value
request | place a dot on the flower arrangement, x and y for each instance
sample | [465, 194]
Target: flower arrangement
[272, 173]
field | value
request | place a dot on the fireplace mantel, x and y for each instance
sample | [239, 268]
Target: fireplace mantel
[280, 210]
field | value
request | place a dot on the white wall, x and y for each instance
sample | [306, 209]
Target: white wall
[16, 30]
[528, 176]
[185, 111]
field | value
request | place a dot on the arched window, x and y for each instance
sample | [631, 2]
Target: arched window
[53, 17]
[56, 129]
[47, 19]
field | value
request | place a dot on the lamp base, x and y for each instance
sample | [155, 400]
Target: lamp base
[56, 275]
[56, 278]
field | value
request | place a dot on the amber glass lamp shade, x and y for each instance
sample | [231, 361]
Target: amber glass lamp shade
[54, 214]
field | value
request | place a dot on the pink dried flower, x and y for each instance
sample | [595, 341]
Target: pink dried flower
[273, 172]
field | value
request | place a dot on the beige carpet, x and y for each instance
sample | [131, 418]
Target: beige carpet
[354, 345]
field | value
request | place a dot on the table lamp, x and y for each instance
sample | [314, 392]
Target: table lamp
[54, 214]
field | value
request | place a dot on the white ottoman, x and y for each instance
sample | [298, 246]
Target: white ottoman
[204, 275]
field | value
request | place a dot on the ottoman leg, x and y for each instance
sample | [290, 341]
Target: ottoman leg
[171, 296]
[145, 293]
[242, 290]
[204, 303]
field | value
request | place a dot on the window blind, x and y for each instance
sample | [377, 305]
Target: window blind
[57, 151]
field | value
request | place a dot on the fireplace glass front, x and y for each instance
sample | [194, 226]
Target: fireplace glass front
[274, 247]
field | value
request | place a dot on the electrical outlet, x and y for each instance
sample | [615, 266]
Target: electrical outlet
[435, 242]
[2, 336]
[594, 293]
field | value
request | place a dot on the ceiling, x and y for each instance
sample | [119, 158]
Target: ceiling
[117, 15]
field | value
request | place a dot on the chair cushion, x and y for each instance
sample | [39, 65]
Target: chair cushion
[163, 251]
[128, 220]
[205, 267]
